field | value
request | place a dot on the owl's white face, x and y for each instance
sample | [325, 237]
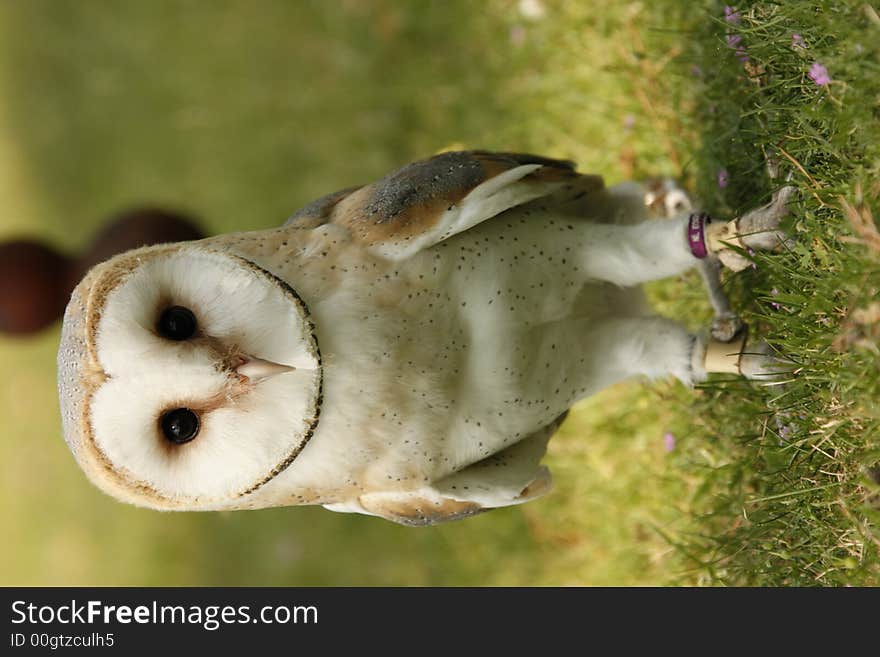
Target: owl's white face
[189, 377]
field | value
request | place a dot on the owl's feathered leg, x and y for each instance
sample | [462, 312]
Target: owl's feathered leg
[634, 202]
[633, 254]
[630, 252]
[622, 348]
[614, 349]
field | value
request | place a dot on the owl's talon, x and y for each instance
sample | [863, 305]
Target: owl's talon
[725, 327]
[759, 228]
[756, 230]
[761, 362]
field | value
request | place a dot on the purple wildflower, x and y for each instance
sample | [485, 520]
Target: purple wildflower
[785, 431]
[723, 178]
[629, 121]
[696, 71]
[819, 74]
[735, 41]
[797, 41]
[669, 442]
[731, 15]
[785, 427]
[773, 293]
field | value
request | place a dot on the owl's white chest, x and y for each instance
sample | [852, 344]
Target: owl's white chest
[438, 361]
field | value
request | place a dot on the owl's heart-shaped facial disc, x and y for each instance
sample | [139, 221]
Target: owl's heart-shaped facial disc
[189, 377]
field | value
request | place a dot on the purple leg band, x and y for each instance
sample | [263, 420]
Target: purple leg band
[696, 235]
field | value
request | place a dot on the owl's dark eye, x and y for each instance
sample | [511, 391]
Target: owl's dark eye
[180, 425]
[177, 323]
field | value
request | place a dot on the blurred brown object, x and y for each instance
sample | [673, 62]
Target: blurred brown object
[36, 279]
[33, 285]
[131, 229]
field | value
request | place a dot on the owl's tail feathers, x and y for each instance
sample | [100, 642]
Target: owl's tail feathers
[423, 506]
[464, 494]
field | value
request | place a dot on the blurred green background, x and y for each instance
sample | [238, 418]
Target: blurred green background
[241, 112]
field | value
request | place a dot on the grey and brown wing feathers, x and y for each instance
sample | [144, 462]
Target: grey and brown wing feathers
[428, 201]
[318, 212]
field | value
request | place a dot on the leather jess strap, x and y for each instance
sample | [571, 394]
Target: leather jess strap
[707, 237]
[726, 357]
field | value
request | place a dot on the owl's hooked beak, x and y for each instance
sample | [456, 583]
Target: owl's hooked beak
[257, 369]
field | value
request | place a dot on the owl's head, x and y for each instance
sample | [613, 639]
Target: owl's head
[188, 377]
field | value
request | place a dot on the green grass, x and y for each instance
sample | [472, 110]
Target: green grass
[786, 489]
[243, 114]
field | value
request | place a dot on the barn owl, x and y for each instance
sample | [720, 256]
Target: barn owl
[404, 349]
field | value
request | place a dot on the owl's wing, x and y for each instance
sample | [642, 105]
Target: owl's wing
[512, 476]
[429, 201]
[318, 212]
